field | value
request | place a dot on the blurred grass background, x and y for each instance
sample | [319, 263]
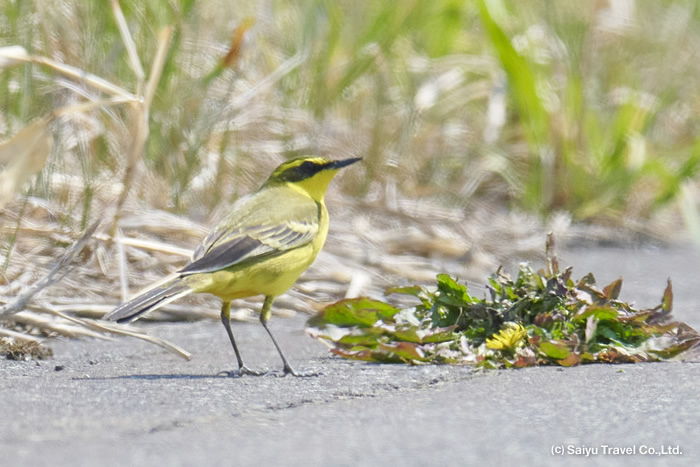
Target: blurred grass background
[587, 108]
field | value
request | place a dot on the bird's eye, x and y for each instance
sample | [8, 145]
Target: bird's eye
[308, 166]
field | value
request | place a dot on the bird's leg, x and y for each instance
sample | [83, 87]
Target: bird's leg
[265, 314]
[226, 320]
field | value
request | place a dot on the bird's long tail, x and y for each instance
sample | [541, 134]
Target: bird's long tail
[150, 300]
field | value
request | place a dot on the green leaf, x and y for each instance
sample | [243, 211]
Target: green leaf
[601, 313]
[405, 350]
[555, 349]
[443, 316]
[367, 355]
[413, 290]
[362, 312]
[588, 279]
[367, 337]
[587, 357]
[607, 332]
[445, 334]
[452, 293]
[408, 333]
[667, 299]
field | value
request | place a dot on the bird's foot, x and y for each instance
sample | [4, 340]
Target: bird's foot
[288, 370]
[243, 370]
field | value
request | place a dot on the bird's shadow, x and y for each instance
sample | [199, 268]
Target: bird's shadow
[156, 377]
[221, 375]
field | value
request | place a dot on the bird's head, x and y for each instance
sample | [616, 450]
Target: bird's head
[310, 173]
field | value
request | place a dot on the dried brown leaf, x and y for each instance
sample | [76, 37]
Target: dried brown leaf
[612, 291]
[24, 155]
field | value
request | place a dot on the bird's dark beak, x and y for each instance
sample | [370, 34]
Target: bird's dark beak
[343, 163]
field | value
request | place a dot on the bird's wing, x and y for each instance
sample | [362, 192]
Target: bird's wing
[291, 222]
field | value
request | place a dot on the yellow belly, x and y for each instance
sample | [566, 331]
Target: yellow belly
[272, 276]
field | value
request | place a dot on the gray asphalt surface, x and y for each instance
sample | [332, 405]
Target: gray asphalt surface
[125, 402]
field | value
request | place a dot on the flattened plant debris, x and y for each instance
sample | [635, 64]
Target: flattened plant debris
[24, 350]
[541, 317]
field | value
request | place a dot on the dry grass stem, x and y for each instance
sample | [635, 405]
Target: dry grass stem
[140, 112]
[54, 275]
[157, 66]
[84, 77]
[51, 325]
[12, 55]
[120, 329]
[284, 69]
[18, 335]
[129, 44]
[149, 245]
[86, 106]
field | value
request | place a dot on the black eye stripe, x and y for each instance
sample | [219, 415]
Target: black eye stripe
[302, 171]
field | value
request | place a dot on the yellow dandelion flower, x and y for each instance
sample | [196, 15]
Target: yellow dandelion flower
[508, 338]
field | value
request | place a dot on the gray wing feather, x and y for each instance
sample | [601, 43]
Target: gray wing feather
[240, 238]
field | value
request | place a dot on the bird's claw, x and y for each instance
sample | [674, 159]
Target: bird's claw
[244, 370]
[288, 370]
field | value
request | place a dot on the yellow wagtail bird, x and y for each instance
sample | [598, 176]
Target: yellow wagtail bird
[260, 248]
